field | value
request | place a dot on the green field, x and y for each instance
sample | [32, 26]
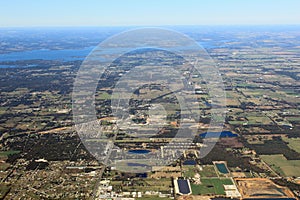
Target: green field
[149, 184]
[208, 171]
[210, 186]
[2, 110]
[237, 122]
[259, 120]
[103, 96]
[3, 190]
[7, 153]
[4, 166]
[293, 119]
[189, 171]
[293, 143]
[153, 198]
[283, 166]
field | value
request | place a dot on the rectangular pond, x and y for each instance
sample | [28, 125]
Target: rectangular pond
[222, 168]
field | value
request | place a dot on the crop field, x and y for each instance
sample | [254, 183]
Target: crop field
[293, 143]
[283, 166]
[103, 96]
[3, 190]
[153, 198]
[7, 153]
[144, 185]
[259, 120]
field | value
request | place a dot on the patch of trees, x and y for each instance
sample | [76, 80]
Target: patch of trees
[274, 146]
[233, 159]
[50, 147]
[286, 183]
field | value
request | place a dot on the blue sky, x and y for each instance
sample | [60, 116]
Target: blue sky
[147, 12]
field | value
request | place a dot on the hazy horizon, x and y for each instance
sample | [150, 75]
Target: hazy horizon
[17, 13]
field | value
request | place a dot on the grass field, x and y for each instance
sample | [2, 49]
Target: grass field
[3, 190]
[293, 119]
[189, 171]
[4, 166]
[104, 96]
[144, 185]
[2, 110]
[237, 122]
[208, 171]
[153, 198]
[7, 153]
[210, 186]
[259, 120]
[293, 143]
[283, 166]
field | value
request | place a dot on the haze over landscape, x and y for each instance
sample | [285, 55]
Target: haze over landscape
[150, 99]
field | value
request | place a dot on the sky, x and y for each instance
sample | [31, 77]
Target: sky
[23, 13]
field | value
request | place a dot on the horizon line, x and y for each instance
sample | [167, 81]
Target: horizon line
[124, 26]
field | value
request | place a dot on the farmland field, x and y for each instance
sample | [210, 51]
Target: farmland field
[283, 166]
[293, 143]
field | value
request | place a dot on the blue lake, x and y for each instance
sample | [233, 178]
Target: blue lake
[60, 55]
[46, 54]
[223, 134]
[138, 151]
[189, 162]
